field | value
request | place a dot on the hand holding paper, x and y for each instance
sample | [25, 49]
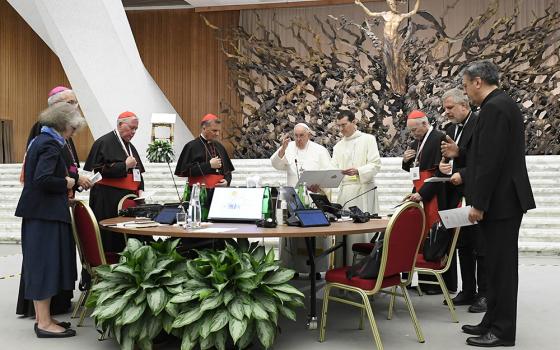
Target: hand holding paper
[457, 217]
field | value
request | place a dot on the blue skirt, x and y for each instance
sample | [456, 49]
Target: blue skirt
[49, 258]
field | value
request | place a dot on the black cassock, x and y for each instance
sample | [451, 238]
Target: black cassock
[61, 302]
[195, 161]
[108, 157]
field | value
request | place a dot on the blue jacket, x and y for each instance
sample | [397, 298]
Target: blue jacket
[44, 194]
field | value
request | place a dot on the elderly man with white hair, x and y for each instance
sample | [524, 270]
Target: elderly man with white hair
[294, 157]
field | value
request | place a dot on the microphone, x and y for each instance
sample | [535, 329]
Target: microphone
[444, 139]
[175, 184]
[297, 168]
[361, 194]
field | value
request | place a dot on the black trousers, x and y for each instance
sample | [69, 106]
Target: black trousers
[502, 275]
[471, 249]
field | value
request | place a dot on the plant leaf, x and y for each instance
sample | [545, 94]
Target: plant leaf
[220, 319]
[152, 273]
[265, 332]
[206, 324]
[286, 311]
[140, 297]
[206, 343]
[132, 244]
[221, 286]
[183, 297]
[237, 328]
[228, 296]
[270, 256]
[204, 292]
[144, 344]
[186, 342]
[157, 300]
[167, 322]
[244, 274]
[172, 309]
[258, 311]
[112, 309]
[220, 339]
[280, 276]
[104, 285]
[132, 313]
[187, 318]
[153, 327]
[259, 253]
[212, 302]
[288, 288]
[235, 308]
[243, 244]
[247, 337]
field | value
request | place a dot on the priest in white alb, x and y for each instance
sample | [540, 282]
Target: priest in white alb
[295, 157]
[357, 155]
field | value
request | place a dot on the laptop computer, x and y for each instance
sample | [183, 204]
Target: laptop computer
[322, 202]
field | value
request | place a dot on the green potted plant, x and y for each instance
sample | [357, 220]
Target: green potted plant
[160, 151]
[237, 293]
[130, 297]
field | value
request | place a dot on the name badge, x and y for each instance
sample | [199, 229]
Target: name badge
[136, 175]
[352, 178]
[415, 173]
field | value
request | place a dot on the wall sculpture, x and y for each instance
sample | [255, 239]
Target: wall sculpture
[346, 66]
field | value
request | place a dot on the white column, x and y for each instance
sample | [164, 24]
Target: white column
[95, 45]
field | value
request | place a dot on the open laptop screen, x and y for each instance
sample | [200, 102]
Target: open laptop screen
[236, 204]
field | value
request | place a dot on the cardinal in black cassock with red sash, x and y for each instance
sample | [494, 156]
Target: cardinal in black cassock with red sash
[116, 158]
[204, 160]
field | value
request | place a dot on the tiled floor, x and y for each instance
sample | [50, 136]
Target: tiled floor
[538, 324]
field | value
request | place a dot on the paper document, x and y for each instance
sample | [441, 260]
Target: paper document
[438, 179]
[457, 217]
[323, 178]
[145, 195]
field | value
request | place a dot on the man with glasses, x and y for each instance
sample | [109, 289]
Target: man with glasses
[357, 155]
[116, 158]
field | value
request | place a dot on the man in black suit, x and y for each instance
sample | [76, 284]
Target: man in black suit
[471, 244]
[498, 188]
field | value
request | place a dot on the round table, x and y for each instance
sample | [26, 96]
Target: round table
[240, 230]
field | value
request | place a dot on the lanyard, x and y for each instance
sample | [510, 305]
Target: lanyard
[129, 152]
[421, 147]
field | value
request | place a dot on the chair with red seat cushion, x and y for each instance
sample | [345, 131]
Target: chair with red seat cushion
[400, 246]
[88, 240]
[437, 269]
[127, 202]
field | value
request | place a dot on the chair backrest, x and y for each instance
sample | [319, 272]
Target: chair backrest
[451, 250]
[127, 202]
[87, 236]
[401, 241]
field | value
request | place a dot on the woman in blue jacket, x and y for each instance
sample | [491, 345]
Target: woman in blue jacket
[49, 258]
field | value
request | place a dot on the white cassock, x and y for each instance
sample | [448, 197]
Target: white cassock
[293, 251]
[357, 151]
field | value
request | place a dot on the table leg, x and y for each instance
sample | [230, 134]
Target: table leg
[312, 318]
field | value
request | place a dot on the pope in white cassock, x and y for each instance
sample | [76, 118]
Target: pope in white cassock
[358, 157]
[294, 157]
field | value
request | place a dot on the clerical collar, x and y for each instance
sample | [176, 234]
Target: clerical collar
[204, 139]
[356, 134]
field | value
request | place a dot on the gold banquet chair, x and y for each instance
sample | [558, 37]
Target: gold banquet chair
[437, 269]
[90, 248]
[400, 247]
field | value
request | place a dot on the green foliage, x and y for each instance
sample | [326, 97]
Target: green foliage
[237, 292]
[160, 151]
[130, 297]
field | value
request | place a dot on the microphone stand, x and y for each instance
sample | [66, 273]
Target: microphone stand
[361, 194]
[176, 190]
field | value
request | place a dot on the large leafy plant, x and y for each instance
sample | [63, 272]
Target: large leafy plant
[130, 297]
[236, 293]
[160, 151]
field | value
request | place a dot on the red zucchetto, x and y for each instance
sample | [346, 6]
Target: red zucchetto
[208, 117]
[126, 114]
[416, 114]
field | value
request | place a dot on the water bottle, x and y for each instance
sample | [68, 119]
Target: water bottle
[186, 193]
[204, 205]
[266, 208]
[194, 207]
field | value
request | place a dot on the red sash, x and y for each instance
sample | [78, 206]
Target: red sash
[125, 183]
[210, 180]
[431, 206]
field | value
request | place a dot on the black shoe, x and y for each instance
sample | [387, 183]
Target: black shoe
[489, 340]
[462, 299]
[41, 333]
[480, 305]
[474, 330]
[65, 325]
[432, 291]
